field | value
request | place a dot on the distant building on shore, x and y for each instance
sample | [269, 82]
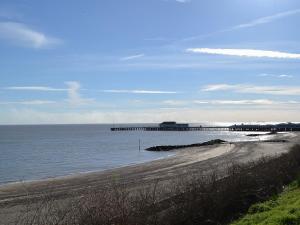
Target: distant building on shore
[266, 127]
[172, 125]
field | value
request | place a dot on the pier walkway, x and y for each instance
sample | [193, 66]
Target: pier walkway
[242, 128]
[170, 129]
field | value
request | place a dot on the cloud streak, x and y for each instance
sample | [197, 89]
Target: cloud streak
[21, 35]
[252, 102]
[266, 19]
[246, 102]
[140, 91]
[254, 89]
[252, 23]
[34, 88]
[245, 53]
[30, 116]
[275, 75]
[72, 90]
[183, 1]
[131, 57]
[28, 102]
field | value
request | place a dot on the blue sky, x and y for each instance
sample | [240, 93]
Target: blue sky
[149, 60]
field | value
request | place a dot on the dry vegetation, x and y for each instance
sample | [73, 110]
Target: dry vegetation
[215, 198]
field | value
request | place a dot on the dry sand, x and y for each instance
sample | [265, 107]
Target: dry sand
[13, 197]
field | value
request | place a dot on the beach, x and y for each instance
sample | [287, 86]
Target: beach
[14, 197]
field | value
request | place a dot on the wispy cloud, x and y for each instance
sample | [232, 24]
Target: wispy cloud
[72, 90]
[140, 91]
[158, 39]
[20, 34]
[179, 1]
[254, 89]
[183, 1]
[132, 57]
[245, 53]
[175, 102]
[31, 116]
[164, 61]
[28, 102]
[241, 102]
[285, 76]
[275, 75]
[34, 88]
[74, 97]
[38, 102]
[252, 23]
[266, 19]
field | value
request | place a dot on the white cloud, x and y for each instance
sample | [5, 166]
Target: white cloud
[132, 57]
[74, 97]
[245, 102]
[251, 102]
[265, 75]
[254, 89]
[178, 1]
[29, 116]
[201, 102]
[158, 39]
[285, 76]
[37, 102]
[183, 1]
[175, 102]
[253, 23]
[177, 61]
[22, 35]
[245, 53]
[275, 75]
[34, 88]
[28, 102]
[266, 19]
[140, 91]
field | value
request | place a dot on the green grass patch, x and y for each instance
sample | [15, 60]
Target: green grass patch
[281, 210]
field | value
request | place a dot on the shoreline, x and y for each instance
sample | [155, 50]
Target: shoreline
[72, 175]
[172, 153]
[14, 197]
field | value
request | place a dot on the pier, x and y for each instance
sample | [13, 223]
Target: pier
[170, 129]
[173, 126]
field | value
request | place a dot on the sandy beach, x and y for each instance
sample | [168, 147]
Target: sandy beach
[13, 197]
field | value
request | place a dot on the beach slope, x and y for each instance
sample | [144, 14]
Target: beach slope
[14, 197]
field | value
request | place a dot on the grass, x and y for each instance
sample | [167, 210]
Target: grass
[281, 210]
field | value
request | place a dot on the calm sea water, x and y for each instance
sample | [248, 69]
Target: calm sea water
[30, 152]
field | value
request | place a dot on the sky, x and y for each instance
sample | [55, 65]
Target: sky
[130, 61]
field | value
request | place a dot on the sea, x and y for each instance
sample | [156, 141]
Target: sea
[35, 152]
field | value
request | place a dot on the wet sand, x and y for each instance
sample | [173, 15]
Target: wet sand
[13, 197]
